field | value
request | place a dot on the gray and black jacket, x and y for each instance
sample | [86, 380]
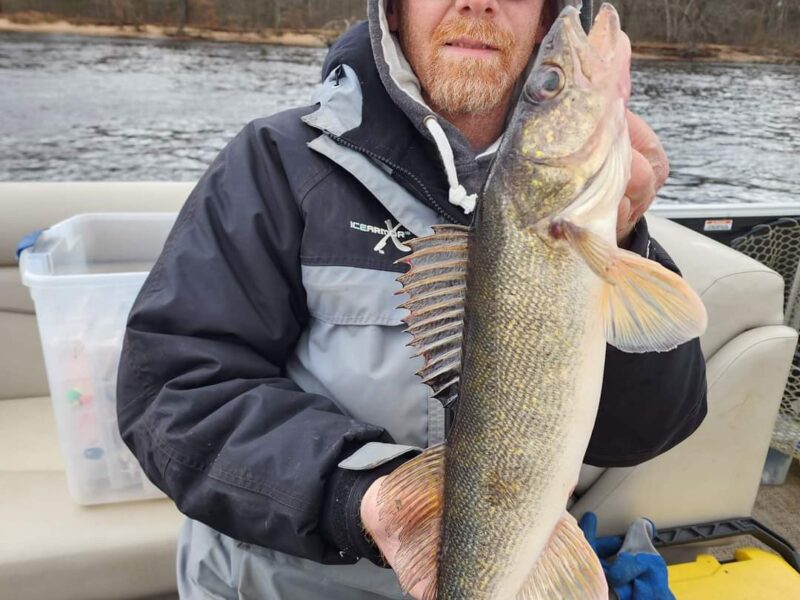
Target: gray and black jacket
[265, 380]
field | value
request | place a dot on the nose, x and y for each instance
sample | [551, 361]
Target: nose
[477, 8]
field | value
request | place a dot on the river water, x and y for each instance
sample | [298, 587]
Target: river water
[74, 108]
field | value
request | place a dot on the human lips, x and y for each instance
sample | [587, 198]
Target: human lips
[470, 46]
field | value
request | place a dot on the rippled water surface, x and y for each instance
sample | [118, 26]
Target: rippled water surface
[75, 108]
[732, 132]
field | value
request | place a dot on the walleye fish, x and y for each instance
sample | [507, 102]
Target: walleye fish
[512, 316]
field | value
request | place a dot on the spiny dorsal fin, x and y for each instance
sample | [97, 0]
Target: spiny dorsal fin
[436, 284]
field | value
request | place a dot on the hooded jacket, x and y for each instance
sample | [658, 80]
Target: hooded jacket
[265, 380]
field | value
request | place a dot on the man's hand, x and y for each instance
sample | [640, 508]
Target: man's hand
[387, 544]
[649, 171]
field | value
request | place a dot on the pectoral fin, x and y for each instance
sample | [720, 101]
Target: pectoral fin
[645, 306]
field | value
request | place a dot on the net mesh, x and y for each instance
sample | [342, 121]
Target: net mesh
[777, 245]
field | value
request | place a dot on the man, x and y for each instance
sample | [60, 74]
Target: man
[265, 383]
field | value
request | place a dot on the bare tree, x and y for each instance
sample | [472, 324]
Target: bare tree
[183, 15]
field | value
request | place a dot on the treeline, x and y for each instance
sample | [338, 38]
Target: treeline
[765, 23]
[769, 23]
[243, 15]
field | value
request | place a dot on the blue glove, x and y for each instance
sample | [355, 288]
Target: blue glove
[633, 567]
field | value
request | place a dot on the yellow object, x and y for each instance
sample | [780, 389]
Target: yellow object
[754, 575]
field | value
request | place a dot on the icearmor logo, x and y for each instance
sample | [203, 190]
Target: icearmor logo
[392, 233]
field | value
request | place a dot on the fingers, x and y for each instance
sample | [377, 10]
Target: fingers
[588, 525]
[371, 520]
[639, 195]
[388, 544]
[418, 591]
[645, 141]
[649, 171]
[624, 225]
[642, 186]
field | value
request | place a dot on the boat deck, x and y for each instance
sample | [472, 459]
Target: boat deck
[778, 506]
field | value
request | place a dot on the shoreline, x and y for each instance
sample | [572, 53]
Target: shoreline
[712, 53]
[309, 38]
[321, 38]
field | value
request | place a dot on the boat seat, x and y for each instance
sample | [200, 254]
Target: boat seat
[52, 548]
[715, 473]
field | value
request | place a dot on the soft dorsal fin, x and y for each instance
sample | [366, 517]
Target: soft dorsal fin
[436, 283]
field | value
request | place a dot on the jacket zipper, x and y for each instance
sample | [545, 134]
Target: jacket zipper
[415, 181]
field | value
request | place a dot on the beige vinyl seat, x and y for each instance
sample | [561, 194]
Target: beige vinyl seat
[52, 548]
[715, 473]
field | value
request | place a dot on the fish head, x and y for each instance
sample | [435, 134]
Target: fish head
[570, 118]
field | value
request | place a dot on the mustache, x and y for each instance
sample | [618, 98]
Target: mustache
[482, 31]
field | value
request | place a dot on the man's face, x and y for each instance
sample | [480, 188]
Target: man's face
[467, 54]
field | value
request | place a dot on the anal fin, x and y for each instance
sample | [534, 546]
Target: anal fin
[568, 569]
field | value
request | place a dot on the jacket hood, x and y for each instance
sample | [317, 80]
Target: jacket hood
[356, 107]
[395, 117]
[404, 88]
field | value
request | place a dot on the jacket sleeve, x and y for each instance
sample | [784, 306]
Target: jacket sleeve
[649, 402]
[203, 400]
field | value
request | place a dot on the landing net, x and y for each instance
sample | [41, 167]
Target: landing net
[777, 245]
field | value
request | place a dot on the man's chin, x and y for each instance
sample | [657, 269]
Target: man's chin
[460, 84]
[466, 96]
[456, 59]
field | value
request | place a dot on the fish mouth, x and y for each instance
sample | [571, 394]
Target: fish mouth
[602, 55]
[567, 29]
[606, 30]
[604, 33]
[613, 48]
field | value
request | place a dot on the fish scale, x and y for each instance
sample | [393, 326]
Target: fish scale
[517, 395]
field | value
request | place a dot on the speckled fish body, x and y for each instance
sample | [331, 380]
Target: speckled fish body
[512, 316]
[532, 372]
[534, 346]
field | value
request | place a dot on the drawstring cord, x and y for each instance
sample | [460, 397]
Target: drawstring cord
[458, 195]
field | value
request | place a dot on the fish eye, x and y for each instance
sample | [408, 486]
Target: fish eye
[546, 83]
[552, 81]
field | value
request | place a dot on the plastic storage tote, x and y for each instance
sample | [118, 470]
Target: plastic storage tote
[84, 275]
